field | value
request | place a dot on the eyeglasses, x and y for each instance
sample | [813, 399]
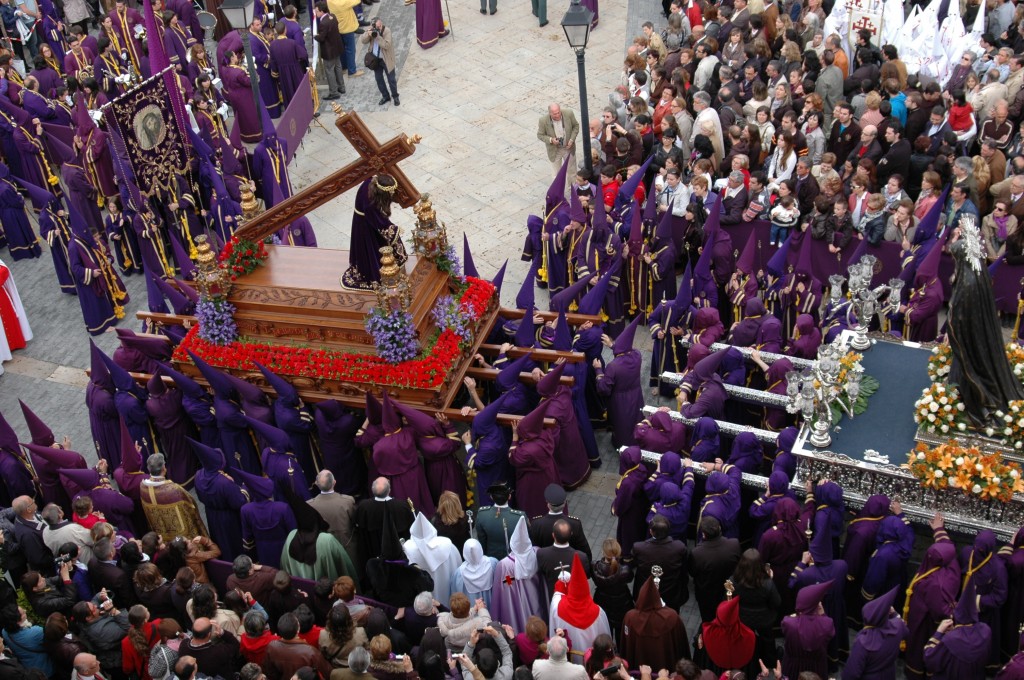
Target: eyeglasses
[998, 209]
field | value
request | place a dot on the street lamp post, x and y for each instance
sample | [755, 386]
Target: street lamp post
[239, 14]
[576, 24]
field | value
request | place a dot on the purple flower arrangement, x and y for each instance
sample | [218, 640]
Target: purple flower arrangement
[449, 263]
[448, 313]
[216, 321]
[393, 334]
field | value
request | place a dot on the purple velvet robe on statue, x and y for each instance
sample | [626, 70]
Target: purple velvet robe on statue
[620, 384]
[630, 503]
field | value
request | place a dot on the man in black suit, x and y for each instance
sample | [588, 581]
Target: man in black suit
[370, 517]
[669, 554]
[104, 573]
[712, 562]
[845, 134]
[542, 526]
[897, 160]
[28, 536]
[807, 188]
[556, 558]
[734, 200]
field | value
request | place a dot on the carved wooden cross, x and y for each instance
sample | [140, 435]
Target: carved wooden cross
[374, 158]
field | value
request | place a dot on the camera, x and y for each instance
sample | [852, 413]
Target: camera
[610, 671]
[561, 141]
[62, 559]
[375, 33]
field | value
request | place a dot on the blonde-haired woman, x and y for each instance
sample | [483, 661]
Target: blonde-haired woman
[450, 519]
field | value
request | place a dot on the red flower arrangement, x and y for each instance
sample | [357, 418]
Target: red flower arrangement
[241, 256]
[426, 372]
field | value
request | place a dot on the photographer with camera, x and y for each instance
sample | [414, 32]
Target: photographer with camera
[54, 594]
[558, 130]
[102, 627]
[380, 56]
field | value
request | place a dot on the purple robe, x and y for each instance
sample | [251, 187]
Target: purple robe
[960, 652]
[875, 651]
[429, 23]
[336, 427]
[744, 333]
[48, 467]
[270, 168]
[981, 565]
[807, 639]
[395, 457]
[570, 452]
[629, 504]
[513, 600]
[187, 17]
[34, 164]
[705, 440]
[124, 244]
[169, 418]
[782, 546]
[580, 373]
[177, 42]
[124, 25]
[21, 240]
[674, 505]
[16, 475]
[922, 314]
[266, 72]
[286, 471]
[763, 508]
[223, 499]
[441, 464]
[1014, 670]
[297, 421]
[265, 527]
[722, 500]
[806, 339]
[860, 543]
[94, 293]
[235, 435]
[931, 597]
[1013, 611]
[489, 456]
[299, 233]
[620, 384]
[57, 232]
[116, 507]
[670, 469]
[104, 423]
[371, 230]
[887, 567]
[288, 56]
[746, 453]
[660, 433]
[238, 91]
[38, 106]
[662, 275]
[534, 461]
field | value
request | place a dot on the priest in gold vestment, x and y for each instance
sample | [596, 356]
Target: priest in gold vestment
[170, 510]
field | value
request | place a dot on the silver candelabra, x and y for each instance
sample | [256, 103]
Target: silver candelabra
[812, 392]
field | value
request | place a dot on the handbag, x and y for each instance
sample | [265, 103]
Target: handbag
[372, 61]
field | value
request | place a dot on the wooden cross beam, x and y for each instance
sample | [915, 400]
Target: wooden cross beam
[374, 158]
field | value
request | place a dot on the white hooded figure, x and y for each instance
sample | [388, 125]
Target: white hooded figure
[434, 554]
[475, 576]
[518, 590]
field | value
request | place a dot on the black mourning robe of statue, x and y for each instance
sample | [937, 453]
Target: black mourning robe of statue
[980, 368]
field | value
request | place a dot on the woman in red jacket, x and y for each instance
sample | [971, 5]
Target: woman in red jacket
[135, 647]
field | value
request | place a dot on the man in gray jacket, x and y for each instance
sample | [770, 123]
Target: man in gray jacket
[103, 626]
